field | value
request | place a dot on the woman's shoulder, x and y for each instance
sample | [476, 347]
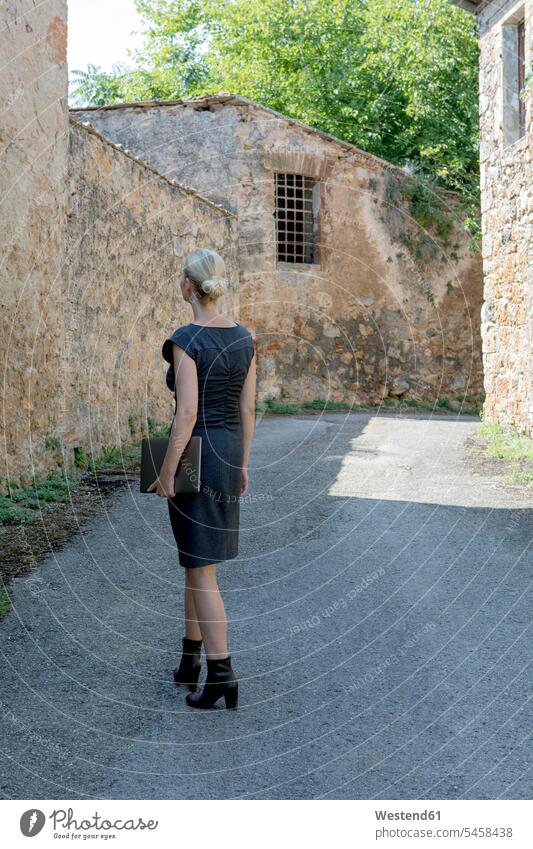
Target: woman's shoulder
[183, 337]
[244, 330]
[243, 339]
[247, 339]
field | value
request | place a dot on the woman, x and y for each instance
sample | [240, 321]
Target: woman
[212, 369]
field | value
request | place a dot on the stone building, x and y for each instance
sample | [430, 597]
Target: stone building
[506, 55]
[33, 201]
[128, 230]
[92, 241]
[352, 293]
[349, 295]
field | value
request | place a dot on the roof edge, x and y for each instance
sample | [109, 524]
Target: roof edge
[227, 97]
[472, 6]
[187, 190]
[219, 97]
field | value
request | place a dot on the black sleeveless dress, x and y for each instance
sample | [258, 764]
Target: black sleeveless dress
[206, 524]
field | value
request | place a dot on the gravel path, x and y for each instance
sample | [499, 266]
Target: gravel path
[380, 616]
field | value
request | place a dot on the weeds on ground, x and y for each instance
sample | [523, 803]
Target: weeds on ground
[5, 606]
[513, 448]
[22, 504]
[506, 443]
[280, 407]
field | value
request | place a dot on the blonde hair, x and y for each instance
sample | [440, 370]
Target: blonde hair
[206, 270]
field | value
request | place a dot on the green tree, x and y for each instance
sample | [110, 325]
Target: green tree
[395, 77]
[96, 86]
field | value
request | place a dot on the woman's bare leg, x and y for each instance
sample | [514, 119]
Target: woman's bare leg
[192, 628]
[209, 609]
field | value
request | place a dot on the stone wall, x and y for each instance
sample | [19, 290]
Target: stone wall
[128, 231]
[507, 216]
[93, 242]
[33, 167]
[373, 318]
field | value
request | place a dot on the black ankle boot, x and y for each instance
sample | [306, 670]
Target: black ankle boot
[221, 681]
[188, 672]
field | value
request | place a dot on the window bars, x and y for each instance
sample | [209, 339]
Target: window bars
[295, 219]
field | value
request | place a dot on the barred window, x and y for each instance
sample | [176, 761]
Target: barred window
[296, 218]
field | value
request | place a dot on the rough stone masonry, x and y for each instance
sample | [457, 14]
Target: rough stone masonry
[92, 244]
[387, 307]
[507, 215]
[506, 171]
[95, 236]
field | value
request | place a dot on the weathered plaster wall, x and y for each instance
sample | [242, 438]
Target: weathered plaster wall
[507, 216]
[128, 231]
[369, 320]
[33, 166]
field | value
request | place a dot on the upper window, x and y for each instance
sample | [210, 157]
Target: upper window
[513, 78]
[297, 200]
[521, 72]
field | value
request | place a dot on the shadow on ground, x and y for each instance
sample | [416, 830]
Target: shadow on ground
[379, 614]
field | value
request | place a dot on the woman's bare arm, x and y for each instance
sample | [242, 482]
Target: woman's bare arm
[184, 420]
[247, 410]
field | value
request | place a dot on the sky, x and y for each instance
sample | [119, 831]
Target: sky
[100, 32]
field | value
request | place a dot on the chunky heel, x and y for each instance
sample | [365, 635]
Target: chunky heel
[231, 697]
[221, 682]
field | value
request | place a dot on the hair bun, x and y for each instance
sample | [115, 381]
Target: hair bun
[214, 286]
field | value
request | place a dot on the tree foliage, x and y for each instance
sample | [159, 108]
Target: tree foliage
[97, 87]
[397, 78]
